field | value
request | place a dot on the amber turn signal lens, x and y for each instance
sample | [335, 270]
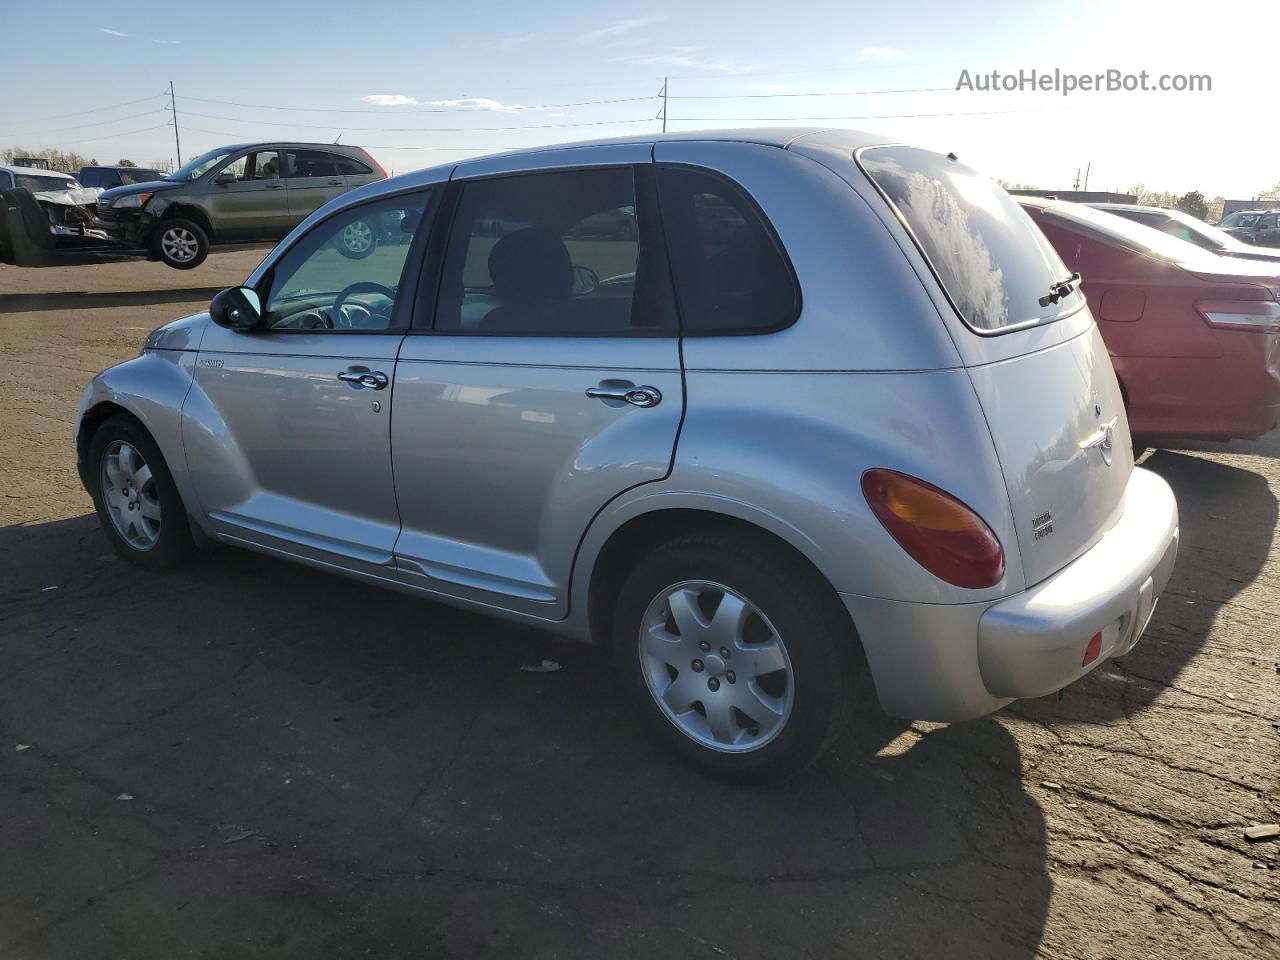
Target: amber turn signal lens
[938, 531]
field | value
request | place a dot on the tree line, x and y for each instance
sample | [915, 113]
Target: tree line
[68, 161]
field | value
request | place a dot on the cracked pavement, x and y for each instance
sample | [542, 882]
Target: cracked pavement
[319, 768]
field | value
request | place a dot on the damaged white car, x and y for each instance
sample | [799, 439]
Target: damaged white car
[69, 207]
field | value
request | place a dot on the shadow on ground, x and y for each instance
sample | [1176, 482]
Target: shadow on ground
[1228, 517]
[96, 300]
[320, 768]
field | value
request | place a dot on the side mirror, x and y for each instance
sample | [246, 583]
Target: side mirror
[237, 308]
[224, 178]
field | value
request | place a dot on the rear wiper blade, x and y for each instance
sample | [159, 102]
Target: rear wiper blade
[1059, 289]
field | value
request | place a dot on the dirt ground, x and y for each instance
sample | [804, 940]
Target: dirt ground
[249, 759]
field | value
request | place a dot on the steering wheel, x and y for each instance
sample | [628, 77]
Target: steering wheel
[360, 286]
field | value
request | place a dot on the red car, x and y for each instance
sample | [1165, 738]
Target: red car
[1194, 337]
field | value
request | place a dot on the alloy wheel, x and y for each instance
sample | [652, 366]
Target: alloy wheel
[357, 236]
[130, 495]
[716, 667]
[179, 244]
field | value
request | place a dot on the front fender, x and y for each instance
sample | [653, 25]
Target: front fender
[152, 388]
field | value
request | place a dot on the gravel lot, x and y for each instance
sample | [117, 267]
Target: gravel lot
[252, 759]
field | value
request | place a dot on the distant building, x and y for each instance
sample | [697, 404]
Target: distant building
[1231, 206]
[1079, 196]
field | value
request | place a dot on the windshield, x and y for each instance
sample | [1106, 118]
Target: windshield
[129, 175]
[1239, 220]
[37, 183]
[992, 260]
[195, 169]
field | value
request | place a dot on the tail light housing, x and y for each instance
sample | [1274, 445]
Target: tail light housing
[1259, 316]
[938, 531]
[375, 162]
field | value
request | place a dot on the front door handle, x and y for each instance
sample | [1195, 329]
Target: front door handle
[337, 183]
[360, 377]
[627, 392]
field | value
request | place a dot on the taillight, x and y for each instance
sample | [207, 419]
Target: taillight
[938, 531]
[376, 164]
[1260, 316]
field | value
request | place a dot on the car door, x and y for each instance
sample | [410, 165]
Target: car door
[1267, 230]
[312, 178]
[287, 428]
[549, 384]
[247, 198]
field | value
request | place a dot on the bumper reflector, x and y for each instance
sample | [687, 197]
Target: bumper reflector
[1092, 650]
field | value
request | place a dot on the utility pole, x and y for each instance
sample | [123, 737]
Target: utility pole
[1075, 184]
[1087, 168]
[173, 108]
[665, 81]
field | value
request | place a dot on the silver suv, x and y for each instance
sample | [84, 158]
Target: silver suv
[814, 404]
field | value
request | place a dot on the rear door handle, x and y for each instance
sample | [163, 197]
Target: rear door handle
[275, 186]
[363, 378]
[626, 392]
[337, 183]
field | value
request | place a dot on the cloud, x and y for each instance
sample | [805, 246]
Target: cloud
[388, 99]
[689, 58]
[617, 31]
[881, 53]
[480, 103]
[121, 33]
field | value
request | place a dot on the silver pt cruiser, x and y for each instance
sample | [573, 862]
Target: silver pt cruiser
[759, 409]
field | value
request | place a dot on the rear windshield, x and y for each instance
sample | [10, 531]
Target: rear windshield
[993, 262]
[1135, 236]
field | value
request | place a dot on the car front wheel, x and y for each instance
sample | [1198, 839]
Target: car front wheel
[739, 655]
[181, 244]
[135, 497]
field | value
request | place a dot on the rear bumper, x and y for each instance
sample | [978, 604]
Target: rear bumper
[950, 662]
[1034, 643]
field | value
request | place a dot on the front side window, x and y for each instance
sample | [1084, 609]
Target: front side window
[345, 274]
[545, 254]
[994, 263]
[730, 272]
[308, 163]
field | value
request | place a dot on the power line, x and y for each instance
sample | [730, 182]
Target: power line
[392, 111]
[819, 93]
[380, 146]
[341, 126]
[79, 126]
[81, 113]
[869, 116]
[125, 133]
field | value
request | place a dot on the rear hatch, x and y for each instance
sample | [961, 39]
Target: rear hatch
[1033, 353]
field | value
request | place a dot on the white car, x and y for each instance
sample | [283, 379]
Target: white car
[69, 207]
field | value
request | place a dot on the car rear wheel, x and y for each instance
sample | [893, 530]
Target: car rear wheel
[182, 244]
[135, 497]
[740, 659]
[357, 240]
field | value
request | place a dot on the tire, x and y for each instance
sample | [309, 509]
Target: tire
[357, 240]
[154, 532]
[804, 705]
[182, 244]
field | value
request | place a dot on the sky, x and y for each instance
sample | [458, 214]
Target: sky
[422, 84]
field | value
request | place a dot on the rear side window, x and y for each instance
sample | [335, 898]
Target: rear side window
[993, 262]
[350, 167]
[730, 273]
[308, 163]
[547, 254]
